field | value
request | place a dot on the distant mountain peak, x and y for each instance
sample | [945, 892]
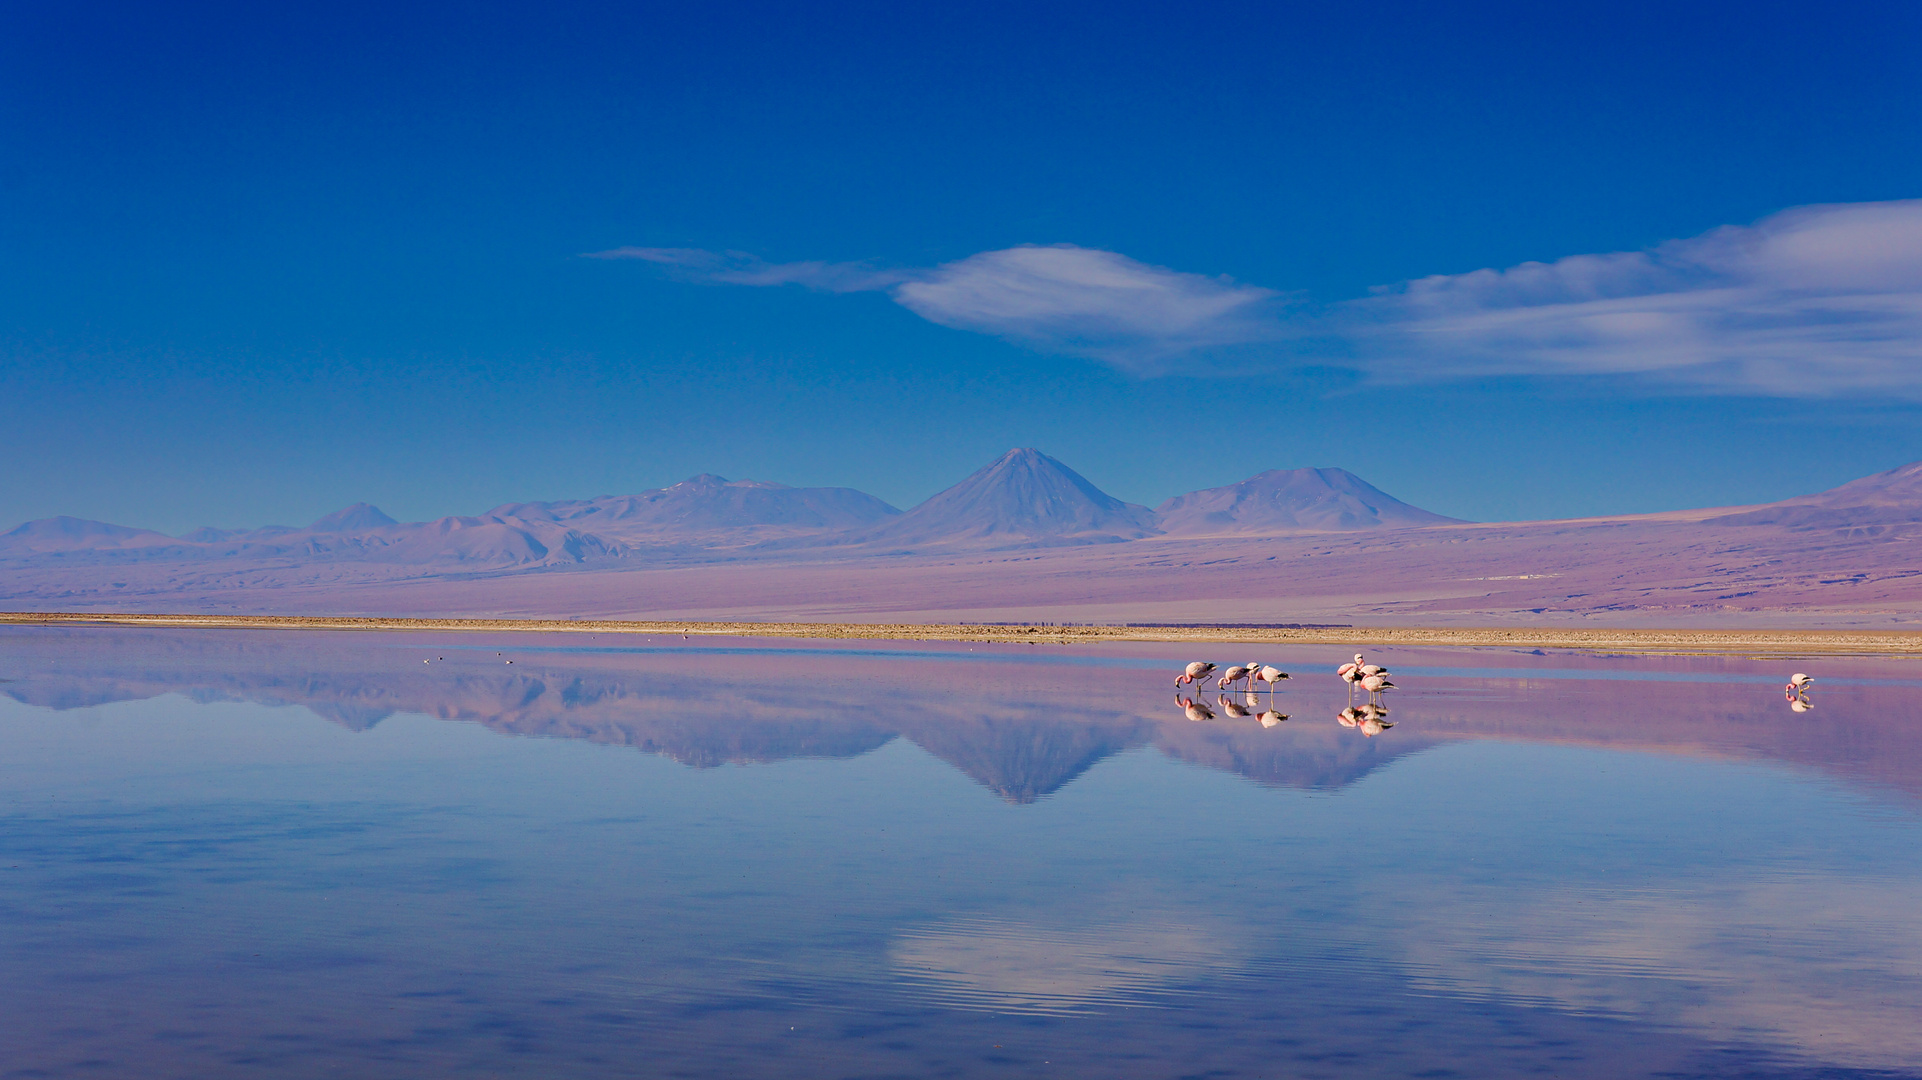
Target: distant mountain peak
[355, 518]
[1292, 500]
[1022, 496]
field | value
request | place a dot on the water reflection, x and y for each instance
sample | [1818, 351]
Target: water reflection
[1006, 966]
[1023, 735]
[1498, 887]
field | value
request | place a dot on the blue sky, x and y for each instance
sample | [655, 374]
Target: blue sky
[259, 262]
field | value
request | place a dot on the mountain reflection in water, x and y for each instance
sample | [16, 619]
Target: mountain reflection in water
[1021, 731]
[1569, 865]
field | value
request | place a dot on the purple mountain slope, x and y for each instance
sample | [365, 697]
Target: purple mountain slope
[1024, 497]
[1886, 498]
[1311, 545]
[57, 534]
[708, 504]
[1289, 501]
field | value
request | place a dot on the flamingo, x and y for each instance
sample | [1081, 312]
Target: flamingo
[1351, 674]
[1195, 710]
[1375, 684]
[1194, 672]
[1270, 674]
[1235, 673]
[1798, 684]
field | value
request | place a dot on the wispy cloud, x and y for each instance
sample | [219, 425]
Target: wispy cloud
[1082, 300]
[1818, 300]
[741, 268]
[1056, 297]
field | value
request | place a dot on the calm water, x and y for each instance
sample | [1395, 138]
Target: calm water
[229, 854]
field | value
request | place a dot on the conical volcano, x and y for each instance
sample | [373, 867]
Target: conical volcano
[1025, 497]
[356, 518]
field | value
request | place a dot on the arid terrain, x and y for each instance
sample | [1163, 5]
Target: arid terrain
[1024, 540]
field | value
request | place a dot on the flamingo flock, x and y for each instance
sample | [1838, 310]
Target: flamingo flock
[1255, 679]
[1251, 704]
[1367, 717]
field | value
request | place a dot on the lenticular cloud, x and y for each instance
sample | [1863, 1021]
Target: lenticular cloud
[1814, 301]
[1083, 300]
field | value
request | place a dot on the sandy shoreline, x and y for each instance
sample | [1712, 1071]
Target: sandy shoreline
[1744, 642]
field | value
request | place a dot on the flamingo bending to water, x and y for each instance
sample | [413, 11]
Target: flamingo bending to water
[1194, 672]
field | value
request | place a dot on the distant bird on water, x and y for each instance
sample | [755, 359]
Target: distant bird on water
[1269, 674]
[1798, 684]
[1195, 672]
[1234, 674]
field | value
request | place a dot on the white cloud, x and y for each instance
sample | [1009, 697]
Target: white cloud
[1814, 301]
[1082, 300]
[1820, 300]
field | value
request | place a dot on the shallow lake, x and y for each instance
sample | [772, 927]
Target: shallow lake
[303, 854]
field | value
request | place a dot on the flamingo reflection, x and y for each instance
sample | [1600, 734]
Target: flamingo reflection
[1194, 710]
[1367, 718]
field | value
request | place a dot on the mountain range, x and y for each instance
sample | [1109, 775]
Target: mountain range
[1023, 499]
[1026, 538]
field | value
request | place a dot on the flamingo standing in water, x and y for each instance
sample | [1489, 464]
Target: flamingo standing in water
[1797, 692]
[1269, 674]
[1195, 672]
[1351, 674]
[1375, 684]
[1234, 674]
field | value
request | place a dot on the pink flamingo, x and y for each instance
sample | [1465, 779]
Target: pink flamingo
[1195, 672]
